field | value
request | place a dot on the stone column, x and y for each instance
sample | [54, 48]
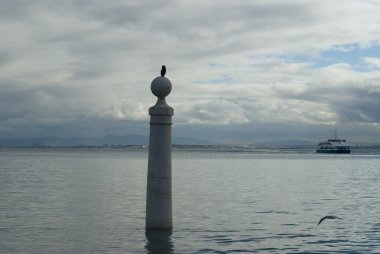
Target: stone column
[159, 186]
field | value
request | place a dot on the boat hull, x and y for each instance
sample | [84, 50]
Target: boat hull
[334, 151]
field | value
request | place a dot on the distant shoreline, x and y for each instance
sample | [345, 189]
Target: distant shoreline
[216, 147]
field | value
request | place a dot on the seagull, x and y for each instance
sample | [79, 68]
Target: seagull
[332, 217]
[163, 70]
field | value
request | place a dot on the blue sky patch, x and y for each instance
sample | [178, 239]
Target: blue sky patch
[351, 54]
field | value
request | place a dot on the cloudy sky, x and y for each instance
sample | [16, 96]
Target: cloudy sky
[242, 71]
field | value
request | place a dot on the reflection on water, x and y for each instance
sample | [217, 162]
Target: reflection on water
[158, 241]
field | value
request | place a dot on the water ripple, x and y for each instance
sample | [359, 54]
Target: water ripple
[94, 201]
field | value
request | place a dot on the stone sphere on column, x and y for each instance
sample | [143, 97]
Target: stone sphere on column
[161, 87]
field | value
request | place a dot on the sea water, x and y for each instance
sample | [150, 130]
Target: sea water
[258, 201]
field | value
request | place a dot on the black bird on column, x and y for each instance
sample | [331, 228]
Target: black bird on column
[163, 71]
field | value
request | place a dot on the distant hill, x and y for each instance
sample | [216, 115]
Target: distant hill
[96, 141]
[288, 143]
[141, 140]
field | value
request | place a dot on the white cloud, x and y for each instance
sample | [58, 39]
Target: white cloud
[217, 111]
[126, 109]
[372, 61]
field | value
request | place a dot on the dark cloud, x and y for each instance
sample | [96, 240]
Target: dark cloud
[361, 106]
[85, 67]
[256, 132]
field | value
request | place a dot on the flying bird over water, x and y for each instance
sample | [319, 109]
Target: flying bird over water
[163, 70]
[331, 217]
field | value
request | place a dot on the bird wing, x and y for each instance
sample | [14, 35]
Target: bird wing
[320, 221]
[328, 217]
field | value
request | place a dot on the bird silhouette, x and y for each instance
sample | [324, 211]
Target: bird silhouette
[331, 217]
[163, 71]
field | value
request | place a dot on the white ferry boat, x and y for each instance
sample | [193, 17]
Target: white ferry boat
[335, 145]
